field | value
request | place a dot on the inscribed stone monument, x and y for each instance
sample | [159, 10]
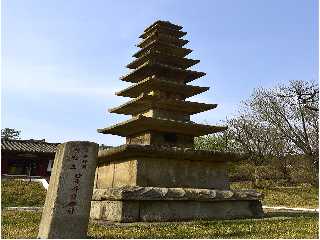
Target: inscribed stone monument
[158, 175]
[67, 206]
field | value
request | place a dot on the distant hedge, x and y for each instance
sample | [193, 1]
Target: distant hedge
[298, 170]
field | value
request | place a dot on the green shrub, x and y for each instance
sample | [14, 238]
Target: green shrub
[268, 172]
[302, 170]
[239, 171]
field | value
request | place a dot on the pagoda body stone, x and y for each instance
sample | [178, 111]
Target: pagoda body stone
[158, 175]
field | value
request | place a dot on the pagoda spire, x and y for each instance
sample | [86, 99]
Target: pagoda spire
[158, 175]
[160, 73]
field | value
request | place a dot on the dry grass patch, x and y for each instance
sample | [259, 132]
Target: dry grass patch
[305, 196]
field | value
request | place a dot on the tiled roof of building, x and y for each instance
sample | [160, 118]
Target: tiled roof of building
[35, 146]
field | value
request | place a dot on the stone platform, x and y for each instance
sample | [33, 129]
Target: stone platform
[133, 204]
[165, 167]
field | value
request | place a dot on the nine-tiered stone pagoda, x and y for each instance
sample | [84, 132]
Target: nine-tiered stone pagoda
[157, 175]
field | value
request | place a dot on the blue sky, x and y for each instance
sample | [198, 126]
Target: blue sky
[61, 60]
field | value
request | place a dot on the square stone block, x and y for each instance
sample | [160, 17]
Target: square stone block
[162, 172]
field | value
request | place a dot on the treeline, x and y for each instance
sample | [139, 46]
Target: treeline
[276, 131]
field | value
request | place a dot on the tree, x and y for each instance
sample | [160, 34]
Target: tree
[252, 138]
[211, 142]
[291, 114]
[273, 125]
[292, 111]
[10, 133]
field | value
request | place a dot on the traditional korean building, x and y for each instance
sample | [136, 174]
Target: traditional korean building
[157, 175]
[27, 158]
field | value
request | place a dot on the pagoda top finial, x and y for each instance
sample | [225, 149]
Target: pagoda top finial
[164, 24]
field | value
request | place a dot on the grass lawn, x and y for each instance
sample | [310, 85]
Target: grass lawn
[25, 225]
[299, 196]
[18, 193]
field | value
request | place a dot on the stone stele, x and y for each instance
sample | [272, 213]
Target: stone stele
[158, 175]
[67, 206]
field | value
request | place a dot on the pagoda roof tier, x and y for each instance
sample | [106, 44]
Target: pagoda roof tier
[163, 47]
[162, 37]
[158, 151]
[141, 124]
[160, 23]
[152, 83]
[164, 30]
[164, 58]
[147, 102]
[161, 70]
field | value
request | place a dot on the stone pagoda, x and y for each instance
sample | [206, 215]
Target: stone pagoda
[157, 175]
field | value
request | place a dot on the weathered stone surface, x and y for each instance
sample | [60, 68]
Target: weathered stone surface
[173, 210]
[162, 172]
[154, 137]
[67, 206]
[156, 193]
[117, 174]
[158, 172]
[118, 211]
[186, 210]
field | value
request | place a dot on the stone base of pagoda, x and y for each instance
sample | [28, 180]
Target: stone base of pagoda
[139, 165]
[148, 204]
